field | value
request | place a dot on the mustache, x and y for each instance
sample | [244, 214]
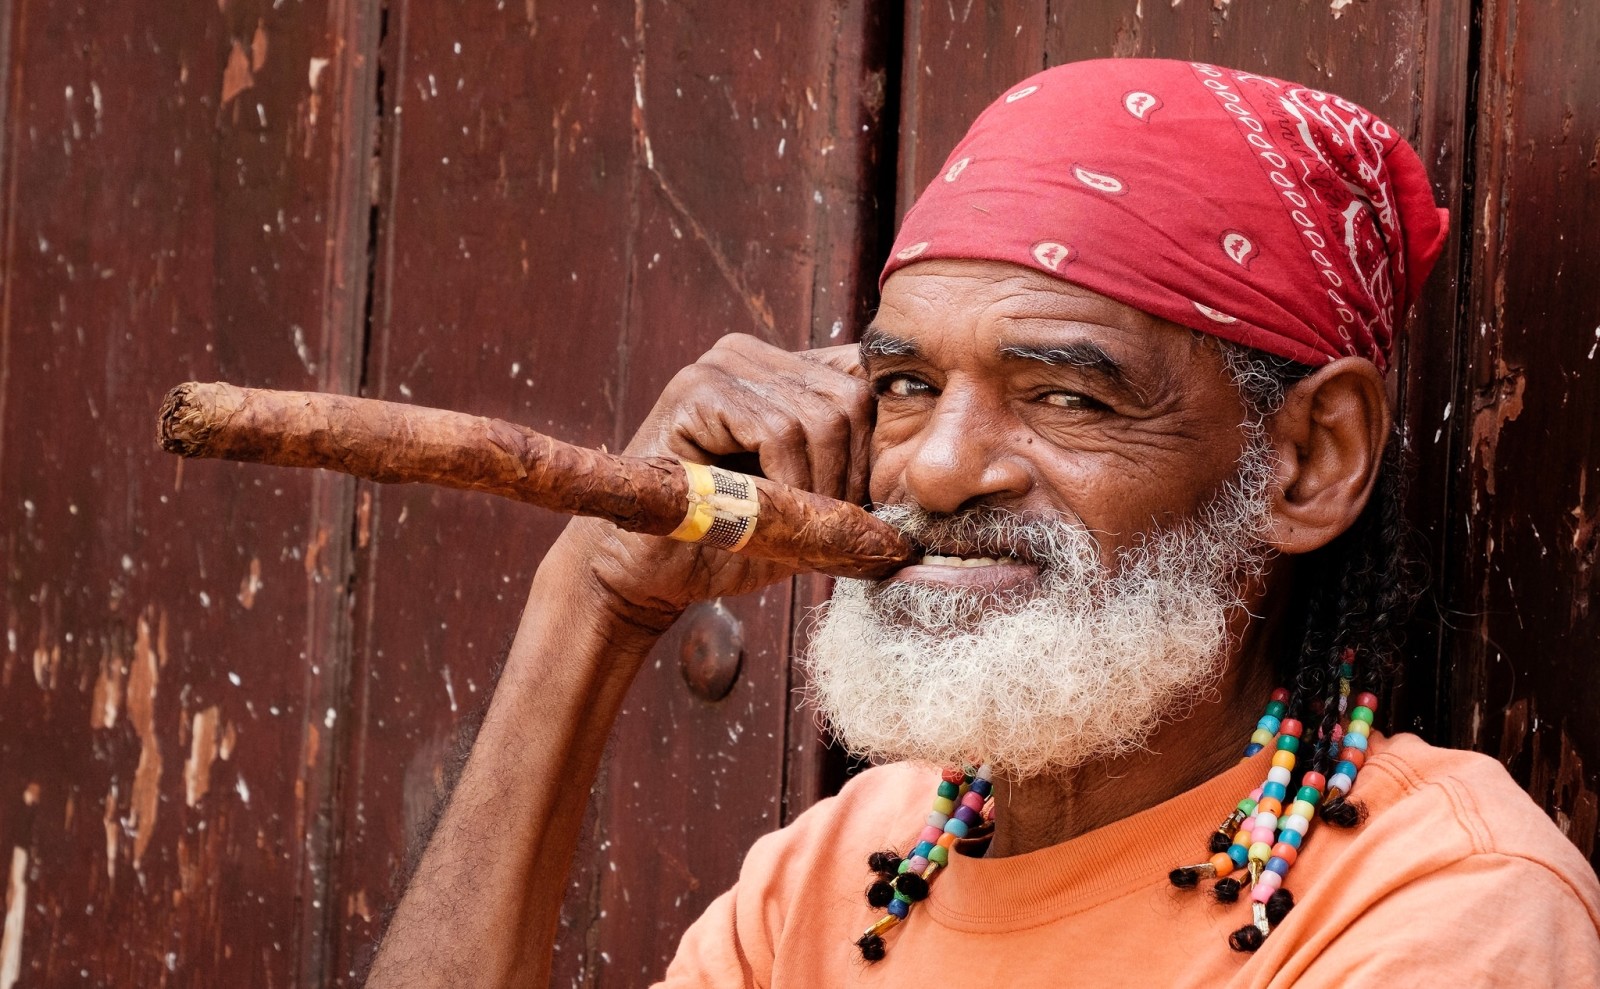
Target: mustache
[1046, 539]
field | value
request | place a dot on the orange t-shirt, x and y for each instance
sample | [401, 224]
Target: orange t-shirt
[1455, 879]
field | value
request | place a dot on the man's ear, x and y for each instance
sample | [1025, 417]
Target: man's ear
[1329, 439]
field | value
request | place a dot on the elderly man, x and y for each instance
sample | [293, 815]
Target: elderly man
[1126, 390]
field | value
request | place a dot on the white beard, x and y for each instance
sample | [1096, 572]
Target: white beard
[1087, 666]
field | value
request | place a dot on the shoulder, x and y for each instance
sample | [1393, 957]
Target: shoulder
[1470, 805]
[1454, 872]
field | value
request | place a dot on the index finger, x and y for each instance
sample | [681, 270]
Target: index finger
[845, 358]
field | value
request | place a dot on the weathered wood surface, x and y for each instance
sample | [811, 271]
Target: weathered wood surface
[299, 652]
[676, 183]
[176, 182]
[1525, 519]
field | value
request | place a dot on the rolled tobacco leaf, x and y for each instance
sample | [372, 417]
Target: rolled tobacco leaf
[393, 443]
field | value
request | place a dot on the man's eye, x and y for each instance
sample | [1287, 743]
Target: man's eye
[1069, 400]
[901, 386]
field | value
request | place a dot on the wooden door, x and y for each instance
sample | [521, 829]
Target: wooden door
[229, 695]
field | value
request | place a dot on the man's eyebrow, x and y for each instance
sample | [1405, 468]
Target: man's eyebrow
[876, 342]
[1079, 353]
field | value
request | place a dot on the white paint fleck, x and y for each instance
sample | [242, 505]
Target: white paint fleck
[836, 330]
[234, 678]
[404, 390]
[1596, 343]
[329, 717]
[127, 563]
[781, 142]
[205, 600]
[16, 909]
[314, 71]
[243, 789]
[449, 688]
[1338, 7]
[516, 366]
[301, 349]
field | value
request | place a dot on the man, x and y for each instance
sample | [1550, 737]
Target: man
[1125, 388]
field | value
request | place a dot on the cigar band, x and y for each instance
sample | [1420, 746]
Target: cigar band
[722, 508]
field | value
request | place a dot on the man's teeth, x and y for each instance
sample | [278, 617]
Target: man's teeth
[932, 560]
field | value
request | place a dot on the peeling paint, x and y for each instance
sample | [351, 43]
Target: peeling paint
[364, 519]
[143, 680]
[236, 77]
[1497, 403]
[202, 751]
[110, 822]
[107, 700]
[250, 584]
[1338, 7]
[16, 909]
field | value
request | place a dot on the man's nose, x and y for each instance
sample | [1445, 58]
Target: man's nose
[964, 456]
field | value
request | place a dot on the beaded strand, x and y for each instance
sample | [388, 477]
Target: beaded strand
[1269, 836]
[961, 806]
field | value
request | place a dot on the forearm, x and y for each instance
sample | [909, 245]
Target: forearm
[483, 905]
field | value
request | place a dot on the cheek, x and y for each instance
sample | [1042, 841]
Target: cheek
[884, 484]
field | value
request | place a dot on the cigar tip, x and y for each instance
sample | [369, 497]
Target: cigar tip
[180, 427]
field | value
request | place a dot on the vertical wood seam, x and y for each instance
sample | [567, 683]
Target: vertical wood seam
[357, 27]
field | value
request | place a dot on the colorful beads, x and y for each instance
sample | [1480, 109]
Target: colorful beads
[1271, 826]
[958, 810]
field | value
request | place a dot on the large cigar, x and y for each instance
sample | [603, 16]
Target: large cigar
[403, 444]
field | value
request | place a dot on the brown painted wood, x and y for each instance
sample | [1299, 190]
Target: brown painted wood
[524, 188]
[173, 186]
[1527, 517]
[502, 203]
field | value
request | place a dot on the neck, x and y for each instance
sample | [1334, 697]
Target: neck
[1047, 810]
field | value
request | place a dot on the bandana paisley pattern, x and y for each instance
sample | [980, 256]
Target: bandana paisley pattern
[1261, 211]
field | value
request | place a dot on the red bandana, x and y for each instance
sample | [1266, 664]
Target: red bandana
[1253, 209]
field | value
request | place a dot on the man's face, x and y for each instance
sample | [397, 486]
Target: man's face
[1001, 386]
[1091, 493]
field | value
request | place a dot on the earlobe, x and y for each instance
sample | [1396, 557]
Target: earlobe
[1329, 438]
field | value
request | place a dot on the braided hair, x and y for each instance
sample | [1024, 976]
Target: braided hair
[1356, 592]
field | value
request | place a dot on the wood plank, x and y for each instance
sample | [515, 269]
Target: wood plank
[502, 269]
[957, 58]
[1527, 684]
[557, 239]
[174, 208]
[729, 100]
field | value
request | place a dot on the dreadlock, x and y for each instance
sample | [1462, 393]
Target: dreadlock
[1355, 593]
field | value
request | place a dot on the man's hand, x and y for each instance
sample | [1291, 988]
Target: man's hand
[800, 419]
[483, 907]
